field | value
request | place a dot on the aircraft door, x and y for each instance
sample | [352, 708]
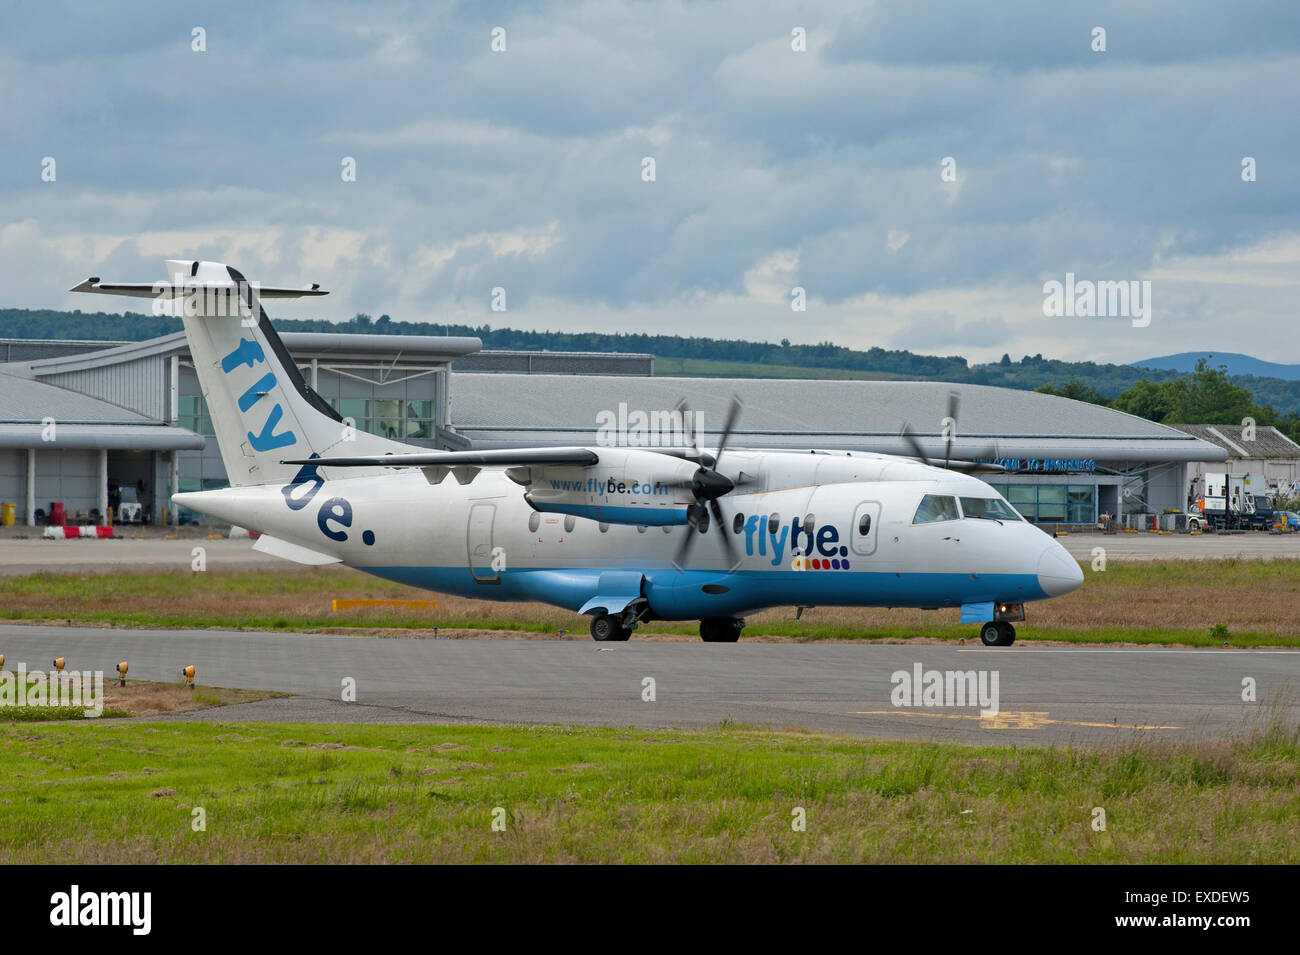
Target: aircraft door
[483, 561]
[862, 534]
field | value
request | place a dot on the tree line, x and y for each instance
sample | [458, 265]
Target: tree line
[1204, 396]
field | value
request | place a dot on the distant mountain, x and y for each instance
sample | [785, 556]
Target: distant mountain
[1237, 364]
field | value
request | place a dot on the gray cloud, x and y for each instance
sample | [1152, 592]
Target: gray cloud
[522, 169]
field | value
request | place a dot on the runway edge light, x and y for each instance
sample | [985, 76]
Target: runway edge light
[60, 663]
[121, 673]
[188, 673]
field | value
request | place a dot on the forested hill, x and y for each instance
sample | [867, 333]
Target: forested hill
[1101, 383]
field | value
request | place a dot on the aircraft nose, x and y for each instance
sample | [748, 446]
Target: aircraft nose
[1058, 572]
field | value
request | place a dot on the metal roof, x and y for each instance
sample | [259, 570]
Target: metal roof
[80, 421]
[302, 345]
[522, 410]
[1267, 442]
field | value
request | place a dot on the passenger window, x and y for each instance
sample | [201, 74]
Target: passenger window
[864, 525]
[603, 526]
[773, 523]
[934, 508]
[534, 521]
[738, 523]
[809, 523]
[570, 522]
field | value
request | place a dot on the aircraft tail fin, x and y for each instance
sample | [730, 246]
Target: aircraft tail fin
[262, 410]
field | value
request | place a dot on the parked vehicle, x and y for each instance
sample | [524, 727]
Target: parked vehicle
[129, 509]
[1227, 502]
[1260, 516]
[1287, 520]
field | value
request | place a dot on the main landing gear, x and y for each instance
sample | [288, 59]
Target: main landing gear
[608, 628]
[721, 629]
[998, 634]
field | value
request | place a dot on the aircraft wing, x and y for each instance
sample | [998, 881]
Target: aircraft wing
[500, 458]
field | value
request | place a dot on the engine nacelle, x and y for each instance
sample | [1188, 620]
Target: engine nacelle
[627, 486]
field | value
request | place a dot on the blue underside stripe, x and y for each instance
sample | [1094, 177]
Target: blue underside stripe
[679, 595]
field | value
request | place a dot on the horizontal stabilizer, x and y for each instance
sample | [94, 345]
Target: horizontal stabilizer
[294, 552]
[505, 458]
[168, 290]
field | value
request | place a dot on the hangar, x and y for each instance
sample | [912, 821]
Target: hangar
[1066, 461]
[132, 414]
[1262, 452]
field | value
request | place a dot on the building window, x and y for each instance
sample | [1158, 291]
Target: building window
[1052, 503]
[394, 418]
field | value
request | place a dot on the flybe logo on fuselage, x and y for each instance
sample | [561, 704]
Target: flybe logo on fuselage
[763, 538]
[250, 353]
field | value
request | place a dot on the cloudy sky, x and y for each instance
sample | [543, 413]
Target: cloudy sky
[774, 167]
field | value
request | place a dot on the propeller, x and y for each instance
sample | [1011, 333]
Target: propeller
[706, 485]
[950, 428]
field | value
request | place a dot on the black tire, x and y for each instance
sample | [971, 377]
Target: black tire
[721, 629]
[999, 634]
[607, 629]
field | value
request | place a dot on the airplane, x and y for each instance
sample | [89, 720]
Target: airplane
[670, 533]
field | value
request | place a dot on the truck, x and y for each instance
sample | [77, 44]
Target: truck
[1226, 502]
[1261, 514]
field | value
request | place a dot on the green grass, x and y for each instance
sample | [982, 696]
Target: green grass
[125, 792]
[1245, 603]
[44, 714]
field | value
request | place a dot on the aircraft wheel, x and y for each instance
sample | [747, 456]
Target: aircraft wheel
[721, 629]
[607, 629]
[997, 634]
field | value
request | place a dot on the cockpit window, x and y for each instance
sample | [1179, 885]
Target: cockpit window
[936, 507]
[988, 508]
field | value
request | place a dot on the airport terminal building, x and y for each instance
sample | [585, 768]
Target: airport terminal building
[79, 421]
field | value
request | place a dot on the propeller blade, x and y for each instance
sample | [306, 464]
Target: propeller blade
[954, 402]
[688, 432]
[684, 548]
[724, 535]
[733, 413]
[915, 445]
[695, 516]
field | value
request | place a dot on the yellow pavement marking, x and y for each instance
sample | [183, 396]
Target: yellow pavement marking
[402, 604]
[1009, 719]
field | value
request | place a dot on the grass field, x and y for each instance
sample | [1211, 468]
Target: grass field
[1201, 603]
[126, 792]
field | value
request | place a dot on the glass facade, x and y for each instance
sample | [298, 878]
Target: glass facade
[1052, 503]
[397, 418]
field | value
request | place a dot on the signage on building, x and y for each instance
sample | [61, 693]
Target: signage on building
[1044, 465]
